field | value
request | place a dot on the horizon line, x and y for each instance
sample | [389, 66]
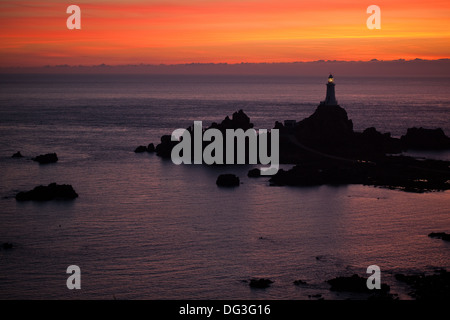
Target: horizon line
[217, 63]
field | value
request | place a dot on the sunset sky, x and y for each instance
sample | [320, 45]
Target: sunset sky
[34, 33]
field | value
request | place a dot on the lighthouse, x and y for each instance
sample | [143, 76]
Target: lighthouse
[330, 99]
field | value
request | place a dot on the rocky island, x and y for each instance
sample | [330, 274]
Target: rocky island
[325, 149]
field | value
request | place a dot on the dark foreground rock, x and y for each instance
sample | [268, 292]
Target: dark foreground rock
[435, 287]
[17, 155]
[354, 283]
[46, 193]
[440, 235]
[228, 180]
[260, 283]
[46, 158]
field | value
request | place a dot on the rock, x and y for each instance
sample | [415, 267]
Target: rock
[440, 235]
[425, 139]
[151, 148]
[254, 173]
[50, 192]
[228, 180]
[260, 283]
[354, 283]
[299, 282]
[393, 172]
[164, 149]
[327, 125]
[7, 246]
[140, 149]
[46, 158]
[434, 287]
[17, 155]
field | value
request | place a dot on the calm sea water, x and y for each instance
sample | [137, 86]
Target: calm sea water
[143, 228]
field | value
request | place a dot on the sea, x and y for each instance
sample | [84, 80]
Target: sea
[145, 228]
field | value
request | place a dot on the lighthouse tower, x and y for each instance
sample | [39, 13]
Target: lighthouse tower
[330, 99]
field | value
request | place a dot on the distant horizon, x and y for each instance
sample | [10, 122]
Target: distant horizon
[373, 67]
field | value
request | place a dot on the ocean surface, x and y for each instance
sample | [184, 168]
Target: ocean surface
[144, 228]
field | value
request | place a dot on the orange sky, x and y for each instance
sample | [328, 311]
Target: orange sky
[34, 33]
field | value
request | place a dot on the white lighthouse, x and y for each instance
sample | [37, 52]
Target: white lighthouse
[330, 99]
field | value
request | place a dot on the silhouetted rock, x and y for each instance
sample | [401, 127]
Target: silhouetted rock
[260, 283]
[164, 149]
[50, 192]
[7, 246]
[354, 283]
[395, 172]
[327, 125]
[17, 155]
[299, 282]
[46, 158]
[440, 235]
[151, 147]
[239, 120]
[228, 180]
[434, 287]
[140, 149]
[428, 139]
[254, 173]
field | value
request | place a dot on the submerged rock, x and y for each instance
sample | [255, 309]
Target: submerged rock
[50, 192]
[17, 155]
[260, 283]
[228, 180]
[46, 158]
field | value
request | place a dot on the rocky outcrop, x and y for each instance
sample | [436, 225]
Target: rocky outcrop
[164, 149]
[7, 246]
[260, 283]
[440, 235]
[425, 139]
[151, 148]
[141, 149]
[46, 158]
[46, 193]
[354, 283]
[394, 172]
[300, 282]
[17, 155]
[228, 180]
[327, 125]
[435, 287]
[238, 120]
[254, 173]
